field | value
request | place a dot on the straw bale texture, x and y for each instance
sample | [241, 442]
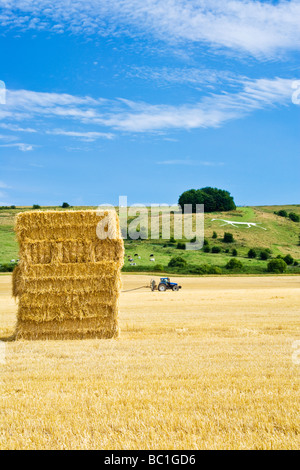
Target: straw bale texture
[68, 280]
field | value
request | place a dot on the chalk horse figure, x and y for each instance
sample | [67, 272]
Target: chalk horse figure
[233, 223]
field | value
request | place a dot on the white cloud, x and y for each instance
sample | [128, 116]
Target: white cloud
[8, 138]
[211, 110]
[11, 127]
[261, 29]
[196, 77]
[85, 136]
[20, 146]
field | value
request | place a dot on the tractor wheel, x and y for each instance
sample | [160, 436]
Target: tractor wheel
[175, 288]
[162, 287]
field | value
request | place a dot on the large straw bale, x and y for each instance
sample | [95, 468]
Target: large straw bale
[68, 281]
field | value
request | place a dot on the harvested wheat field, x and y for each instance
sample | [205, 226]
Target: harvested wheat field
[209, 367]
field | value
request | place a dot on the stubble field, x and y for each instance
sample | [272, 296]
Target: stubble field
[209, 367]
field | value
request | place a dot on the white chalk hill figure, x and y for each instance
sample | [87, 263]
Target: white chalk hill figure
[233, 223]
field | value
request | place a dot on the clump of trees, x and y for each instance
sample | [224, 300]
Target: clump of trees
[264, 255]
[277, 265]
[252, 253]
[288, 259]
[181, 246]
[214, 199]
[7, 207]
[292, 215]
[8, 267]
[234, 264]
[228, 237]
[177, 262]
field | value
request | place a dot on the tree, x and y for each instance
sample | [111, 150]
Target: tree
[251, 253]
[177, 262]
[65, 205]
[228, 237]
[36, 206]
[223, 200]
[214, 235]
[213, 199]
[264, 255]
[277, 266]
[215, 249]
[288, 259]
[294, 217]
[234, 252]
[181, 246]
[234, 264]
[281, 213]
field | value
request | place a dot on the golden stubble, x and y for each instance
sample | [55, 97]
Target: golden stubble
[209, 367]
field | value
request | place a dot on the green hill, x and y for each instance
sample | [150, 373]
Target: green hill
[281, 237]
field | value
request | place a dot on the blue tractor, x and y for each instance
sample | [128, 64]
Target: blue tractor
[164, 285]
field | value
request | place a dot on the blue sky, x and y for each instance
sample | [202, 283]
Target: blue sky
[148, 99]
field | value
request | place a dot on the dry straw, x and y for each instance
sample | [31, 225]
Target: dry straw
[68, 280]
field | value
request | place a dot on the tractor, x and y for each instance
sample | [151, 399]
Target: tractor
[164, 285]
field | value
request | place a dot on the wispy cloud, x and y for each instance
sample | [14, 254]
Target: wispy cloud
[8, 138]
[20, 146]
[259, 28]
[196, 77]
[13, 128]
[85, 136]
[211, 110]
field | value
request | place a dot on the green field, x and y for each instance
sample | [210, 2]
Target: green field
[281, 237]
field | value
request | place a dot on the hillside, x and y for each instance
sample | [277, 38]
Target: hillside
[281, 237]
